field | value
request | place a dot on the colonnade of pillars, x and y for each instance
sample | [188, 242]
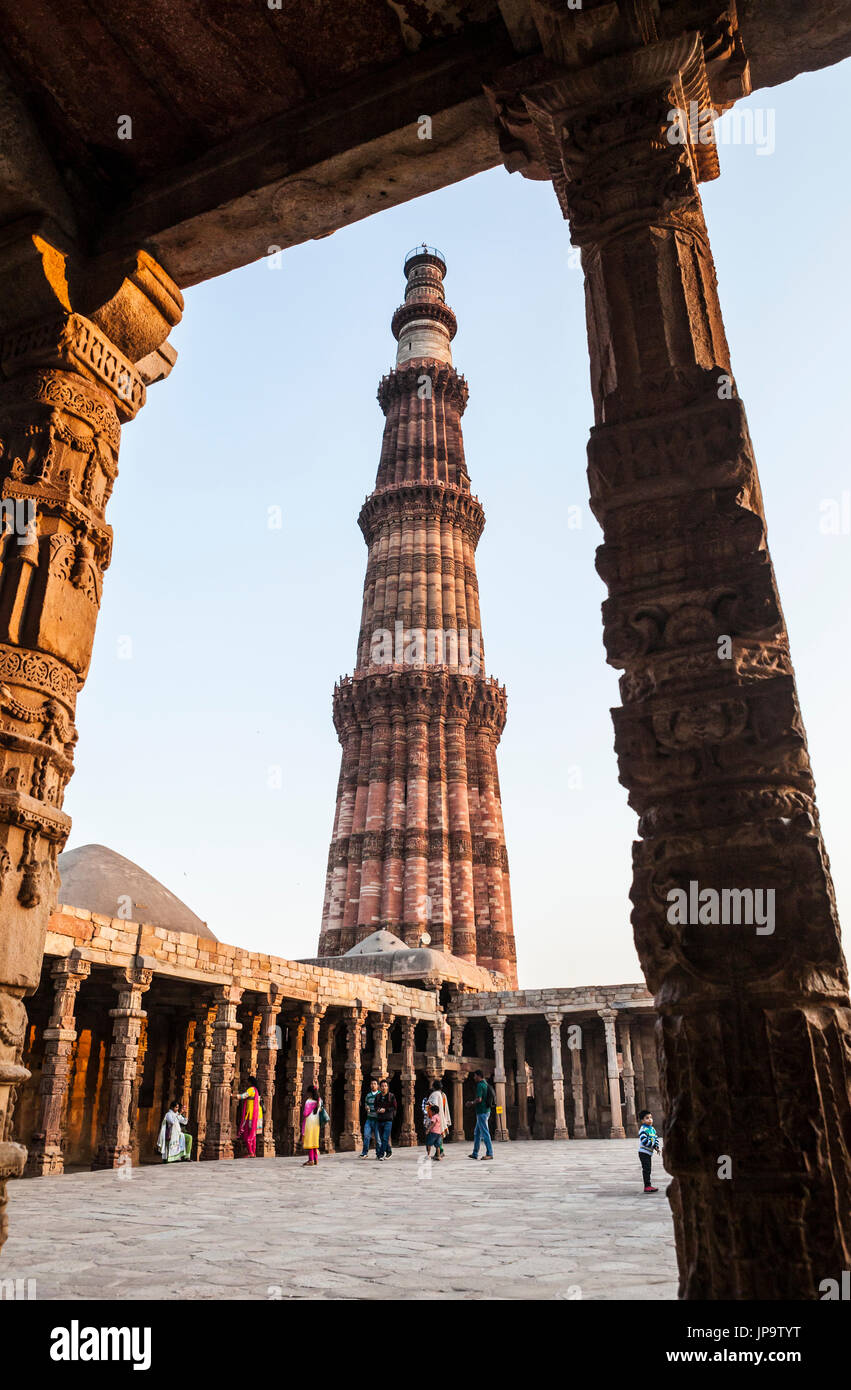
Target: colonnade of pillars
[572, 1089]
[554, 1061]
[221, 1043]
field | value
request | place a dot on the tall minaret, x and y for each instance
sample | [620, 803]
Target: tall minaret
[418, 845]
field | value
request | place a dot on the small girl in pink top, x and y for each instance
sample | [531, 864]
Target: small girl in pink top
[434, 1132]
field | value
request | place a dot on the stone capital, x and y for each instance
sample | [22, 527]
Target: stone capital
[228, 994]
[129, 300]
[70, 969]
[132, 978]
[599, 123]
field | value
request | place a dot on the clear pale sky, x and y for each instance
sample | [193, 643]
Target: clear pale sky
[238, 631]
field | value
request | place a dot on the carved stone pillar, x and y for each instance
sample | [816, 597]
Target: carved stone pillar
[326, 1142]
[631, 1124]
[46, 1146]
[408, 1132]
[381, 1024]
[218, 1138]
[267, 1061]
[560, 1129]
[608, 1016]
[294, 1081]
[578, 1093]
[637, 1051]
[115, 1147]
[141, 1054]
[498, 1030]
[711, 744]
[436, 1049]
[250, 1046]
[351, 1137]
[78, 343]
[456, 1025]
[313, 1015]
[592, 1104]
[202, 1063]
[522, 1083]
[184, 1090]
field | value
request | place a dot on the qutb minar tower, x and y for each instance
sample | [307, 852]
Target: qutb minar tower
[418, 846]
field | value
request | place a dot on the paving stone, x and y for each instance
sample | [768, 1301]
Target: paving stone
[529, 1225]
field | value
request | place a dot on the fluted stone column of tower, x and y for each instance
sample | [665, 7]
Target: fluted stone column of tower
[418, 844]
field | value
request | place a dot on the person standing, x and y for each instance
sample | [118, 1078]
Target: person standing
[482, 1103]
[385, 1113]
[251, 1119]
[310, 1126]
[648, 1144]
[172, 1143]
[370, 1123]
[441, 1104]
[434, 1132]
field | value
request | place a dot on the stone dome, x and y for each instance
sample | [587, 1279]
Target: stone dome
[99, 880]
[376, 944]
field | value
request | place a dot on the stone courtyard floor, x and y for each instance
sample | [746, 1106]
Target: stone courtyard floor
[545, 1220]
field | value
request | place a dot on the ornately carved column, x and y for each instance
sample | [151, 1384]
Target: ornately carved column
[608, 1016]
[46, 1153]
[637, 1053]
[753, 1006]
[498, 1030]
[114, 1147]
[519, 1031]
[202, 1063]
[218, 1139]
[351, 1137]
[326, 1084]
[456, 1024]
[555, 1021]
[78, 343]
[579, 1131]
[294, 1081]
[312, 1056]
[267, 1061]
[592, 1097]
[381, 1024]
[187, 1068]
[631, 1125]
[408, 1132]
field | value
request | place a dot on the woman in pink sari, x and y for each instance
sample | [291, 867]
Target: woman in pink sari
[310, 1126]
[251, 1119]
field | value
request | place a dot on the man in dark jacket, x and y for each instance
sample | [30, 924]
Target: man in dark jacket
[385, 1113]
[370, 1122]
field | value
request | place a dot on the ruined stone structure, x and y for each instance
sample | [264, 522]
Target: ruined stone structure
[418, 843]
[99, 233]
[128, 1017]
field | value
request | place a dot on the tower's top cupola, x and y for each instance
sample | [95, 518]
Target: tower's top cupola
[424, 325]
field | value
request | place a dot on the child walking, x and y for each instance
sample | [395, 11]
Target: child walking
[434, 1133]
[648, 1144]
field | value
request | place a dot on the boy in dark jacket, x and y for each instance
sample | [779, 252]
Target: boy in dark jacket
[648, 1144]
